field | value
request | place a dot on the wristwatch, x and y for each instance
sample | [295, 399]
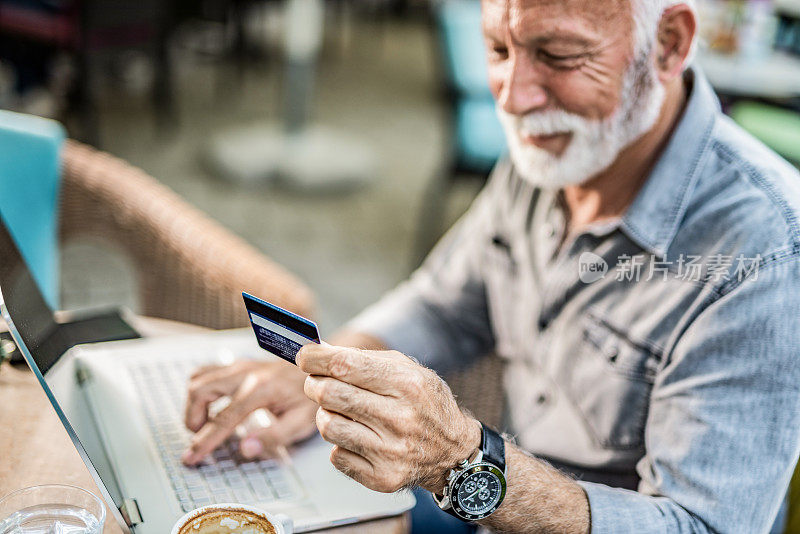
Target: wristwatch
[477, 487]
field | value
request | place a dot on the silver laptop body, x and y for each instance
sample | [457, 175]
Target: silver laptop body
[121, 403]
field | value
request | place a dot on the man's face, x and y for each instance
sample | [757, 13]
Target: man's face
[571, 91]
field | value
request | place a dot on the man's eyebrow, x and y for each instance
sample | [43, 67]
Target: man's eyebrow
[561, 38]
[556, 38]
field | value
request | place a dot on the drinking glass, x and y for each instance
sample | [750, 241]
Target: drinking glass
[51, 509]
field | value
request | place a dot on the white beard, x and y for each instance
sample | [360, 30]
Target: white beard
[594, 144]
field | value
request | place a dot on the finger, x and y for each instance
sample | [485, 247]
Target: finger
[375, 371]
[353, 465]
[344, 432]
[197, 403]
[207, 388]
[221, 426]
[351, 401]
[291, 426]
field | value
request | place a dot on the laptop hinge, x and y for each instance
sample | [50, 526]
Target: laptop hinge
[130, 512]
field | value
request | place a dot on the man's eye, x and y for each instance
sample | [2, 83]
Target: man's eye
[559, 61]
[498, 52]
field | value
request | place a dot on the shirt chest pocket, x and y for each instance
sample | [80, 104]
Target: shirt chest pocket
[610, 382]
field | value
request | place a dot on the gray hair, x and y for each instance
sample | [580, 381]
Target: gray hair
[646, 16]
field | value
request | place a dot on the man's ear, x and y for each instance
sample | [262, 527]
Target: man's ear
[676, 32]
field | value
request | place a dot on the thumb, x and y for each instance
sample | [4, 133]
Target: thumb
[290, 427]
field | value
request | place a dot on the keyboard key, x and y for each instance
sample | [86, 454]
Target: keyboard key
[194, 483]
[269, 464]
[256, 479]
[264, 495]
[198, 493]
[249, 467]
[235, 478]
[209, 470]
[276, 477]
[222, 496]
[285, 492]
[226, 465]
[243, 495]
[217, 483]
[262, 490]
[202, 502]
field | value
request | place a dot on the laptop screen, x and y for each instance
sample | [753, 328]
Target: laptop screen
[32, 320]
[32, 316]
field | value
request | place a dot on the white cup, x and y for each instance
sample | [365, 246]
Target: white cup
[282, 523]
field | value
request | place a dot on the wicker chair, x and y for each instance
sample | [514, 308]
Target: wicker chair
[190, 269]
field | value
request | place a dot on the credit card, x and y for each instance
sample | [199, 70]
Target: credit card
[279, 331]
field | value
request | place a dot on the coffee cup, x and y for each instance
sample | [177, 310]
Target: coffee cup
[230, 518]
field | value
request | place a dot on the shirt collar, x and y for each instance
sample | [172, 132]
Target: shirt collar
[653, 218]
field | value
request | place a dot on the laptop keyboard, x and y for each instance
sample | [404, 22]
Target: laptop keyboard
[222, 477]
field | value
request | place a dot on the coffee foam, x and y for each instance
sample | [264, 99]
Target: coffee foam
[227, 521]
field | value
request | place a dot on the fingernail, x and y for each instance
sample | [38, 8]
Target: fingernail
[188, 457]
[251, 447]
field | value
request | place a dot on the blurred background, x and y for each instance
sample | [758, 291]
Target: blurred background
[338, 137]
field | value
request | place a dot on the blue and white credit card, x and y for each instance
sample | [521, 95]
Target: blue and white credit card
[278, 331]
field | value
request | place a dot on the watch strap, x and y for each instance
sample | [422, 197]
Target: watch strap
[493, 447]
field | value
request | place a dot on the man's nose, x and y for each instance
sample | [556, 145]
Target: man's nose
[522, 89]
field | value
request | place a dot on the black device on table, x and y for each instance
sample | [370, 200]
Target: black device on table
[90, 326]
[53, 336]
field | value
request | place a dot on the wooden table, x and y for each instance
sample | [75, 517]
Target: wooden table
[35, 448]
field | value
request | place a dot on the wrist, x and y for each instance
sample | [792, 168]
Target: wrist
[467, 445]
[472, 440]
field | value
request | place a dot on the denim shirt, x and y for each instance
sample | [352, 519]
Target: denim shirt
[655, 356]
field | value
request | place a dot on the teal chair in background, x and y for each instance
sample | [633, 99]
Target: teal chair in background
[30, 149]
[475, 139]
[776, 127]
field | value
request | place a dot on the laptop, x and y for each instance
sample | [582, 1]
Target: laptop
[121, 403]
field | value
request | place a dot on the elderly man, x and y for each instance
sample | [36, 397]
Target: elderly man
[635, 263]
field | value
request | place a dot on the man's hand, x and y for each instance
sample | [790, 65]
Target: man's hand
[275, 386]
[394, 422]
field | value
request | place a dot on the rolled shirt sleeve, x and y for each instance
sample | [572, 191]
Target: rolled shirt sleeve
[723, 429]
[440, 315]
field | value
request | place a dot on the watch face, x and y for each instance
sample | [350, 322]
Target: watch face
[478, 491]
